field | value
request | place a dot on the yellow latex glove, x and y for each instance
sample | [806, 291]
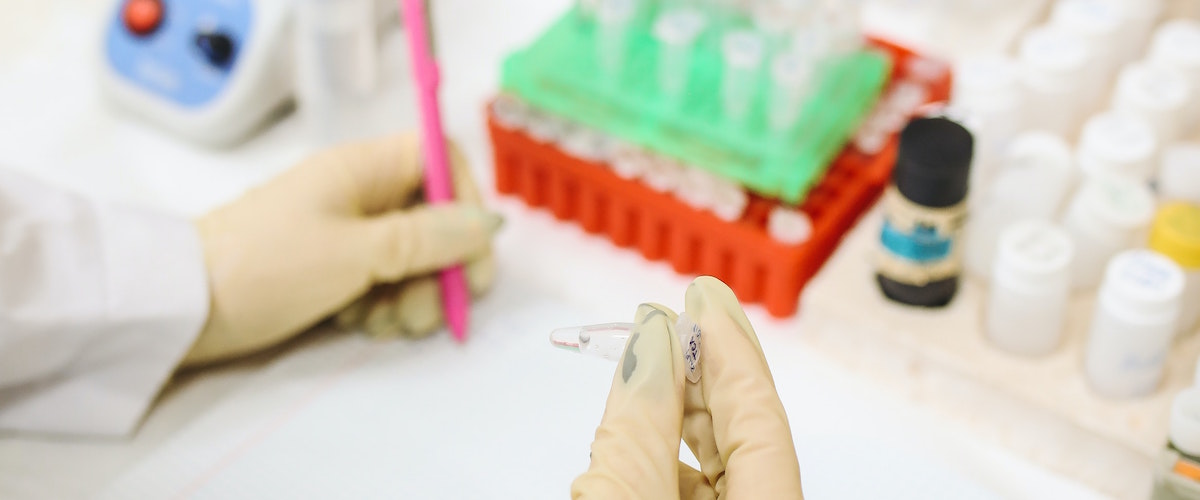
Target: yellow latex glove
[731, 419]
[346, 230]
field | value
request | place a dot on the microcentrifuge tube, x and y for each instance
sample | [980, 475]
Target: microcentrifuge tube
[613, 21]
[791, 83]
[608, 341]
[743, 53]
[676, 31]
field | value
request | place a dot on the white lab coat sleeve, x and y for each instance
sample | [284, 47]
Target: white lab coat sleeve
[98, 305]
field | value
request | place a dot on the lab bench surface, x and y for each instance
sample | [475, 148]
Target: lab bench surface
[839, 418]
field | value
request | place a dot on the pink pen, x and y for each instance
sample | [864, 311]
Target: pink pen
[438, 187]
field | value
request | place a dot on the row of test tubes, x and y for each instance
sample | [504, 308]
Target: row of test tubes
[785, 41]
[692, 186]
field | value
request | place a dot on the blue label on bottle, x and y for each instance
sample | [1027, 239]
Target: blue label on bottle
[923, 244]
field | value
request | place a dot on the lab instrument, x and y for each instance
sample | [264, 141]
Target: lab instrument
[438, 186]
[1135, 317]
[1176, 234]
[1030, 286]
[1106, 216]
[608, 341]
[1177, 468]
[211, 71]
[919, 256]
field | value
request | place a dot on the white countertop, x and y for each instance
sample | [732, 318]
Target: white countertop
[842, 423]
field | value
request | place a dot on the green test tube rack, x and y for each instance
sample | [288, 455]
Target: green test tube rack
[561, 73]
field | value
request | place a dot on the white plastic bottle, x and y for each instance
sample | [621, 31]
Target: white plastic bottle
[988, 89]
[1133, 324]
[1033, 181]
[1053, 66]
[1155, 94]
[1107, 215]
[1176, 46]
[1030, 287]
[1179, 173]
[1117, 144]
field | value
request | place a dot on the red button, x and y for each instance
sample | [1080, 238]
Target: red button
[142, 17]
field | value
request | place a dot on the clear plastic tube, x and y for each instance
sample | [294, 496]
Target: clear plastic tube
[676, 31]
[337, 65]
[613, 21]
[607, 341]
[743, 53]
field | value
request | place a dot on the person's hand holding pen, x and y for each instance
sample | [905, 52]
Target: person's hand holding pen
[732, 418]
[346, 232]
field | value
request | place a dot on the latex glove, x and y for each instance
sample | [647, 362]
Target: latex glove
[731, 419]
[319, 237]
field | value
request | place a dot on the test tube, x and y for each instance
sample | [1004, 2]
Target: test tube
[1175, 47]
[1109, 214]
[337, 66]
[698, 188]
[1133, 324]
[1179, 173]
[1155, 94]
[729, 200]
[676, 31]
[614, 18]
[1117, 144]
[1036, 173]
[743, 53]
[607, 341]
[1031, 285]
[1053, 64]
[1176, 235]
[791, 84]
[663, 174]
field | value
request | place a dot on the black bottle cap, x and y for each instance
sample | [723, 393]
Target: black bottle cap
[934, 162]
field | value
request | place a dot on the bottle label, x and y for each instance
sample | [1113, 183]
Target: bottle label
[919, 244]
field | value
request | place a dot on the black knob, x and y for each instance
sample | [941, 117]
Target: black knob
[217, 47]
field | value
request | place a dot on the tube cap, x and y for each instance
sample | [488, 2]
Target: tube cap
[1176, 234]
[1116, 143]
[1143, 284]
[934, 163]
[1184, 432]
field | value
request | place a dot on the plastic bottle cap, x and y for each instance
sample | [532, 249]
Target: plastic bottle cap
[729, 201]
[1184, 431]
[1175, 45]
[1117, 203]
[1152, 87]
[679, 26]
[1176, 234]
[1142, 283]
[1042, 149]
[1051, 56]
[1091, 18]
[788, 225]
[1179, 174]
[1034, 252]
[743, 49]
[933, 164]
[1119, 144]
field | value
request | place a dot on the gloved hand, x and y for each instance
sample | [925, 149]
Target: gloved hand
[346, 230]
[731, 419]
